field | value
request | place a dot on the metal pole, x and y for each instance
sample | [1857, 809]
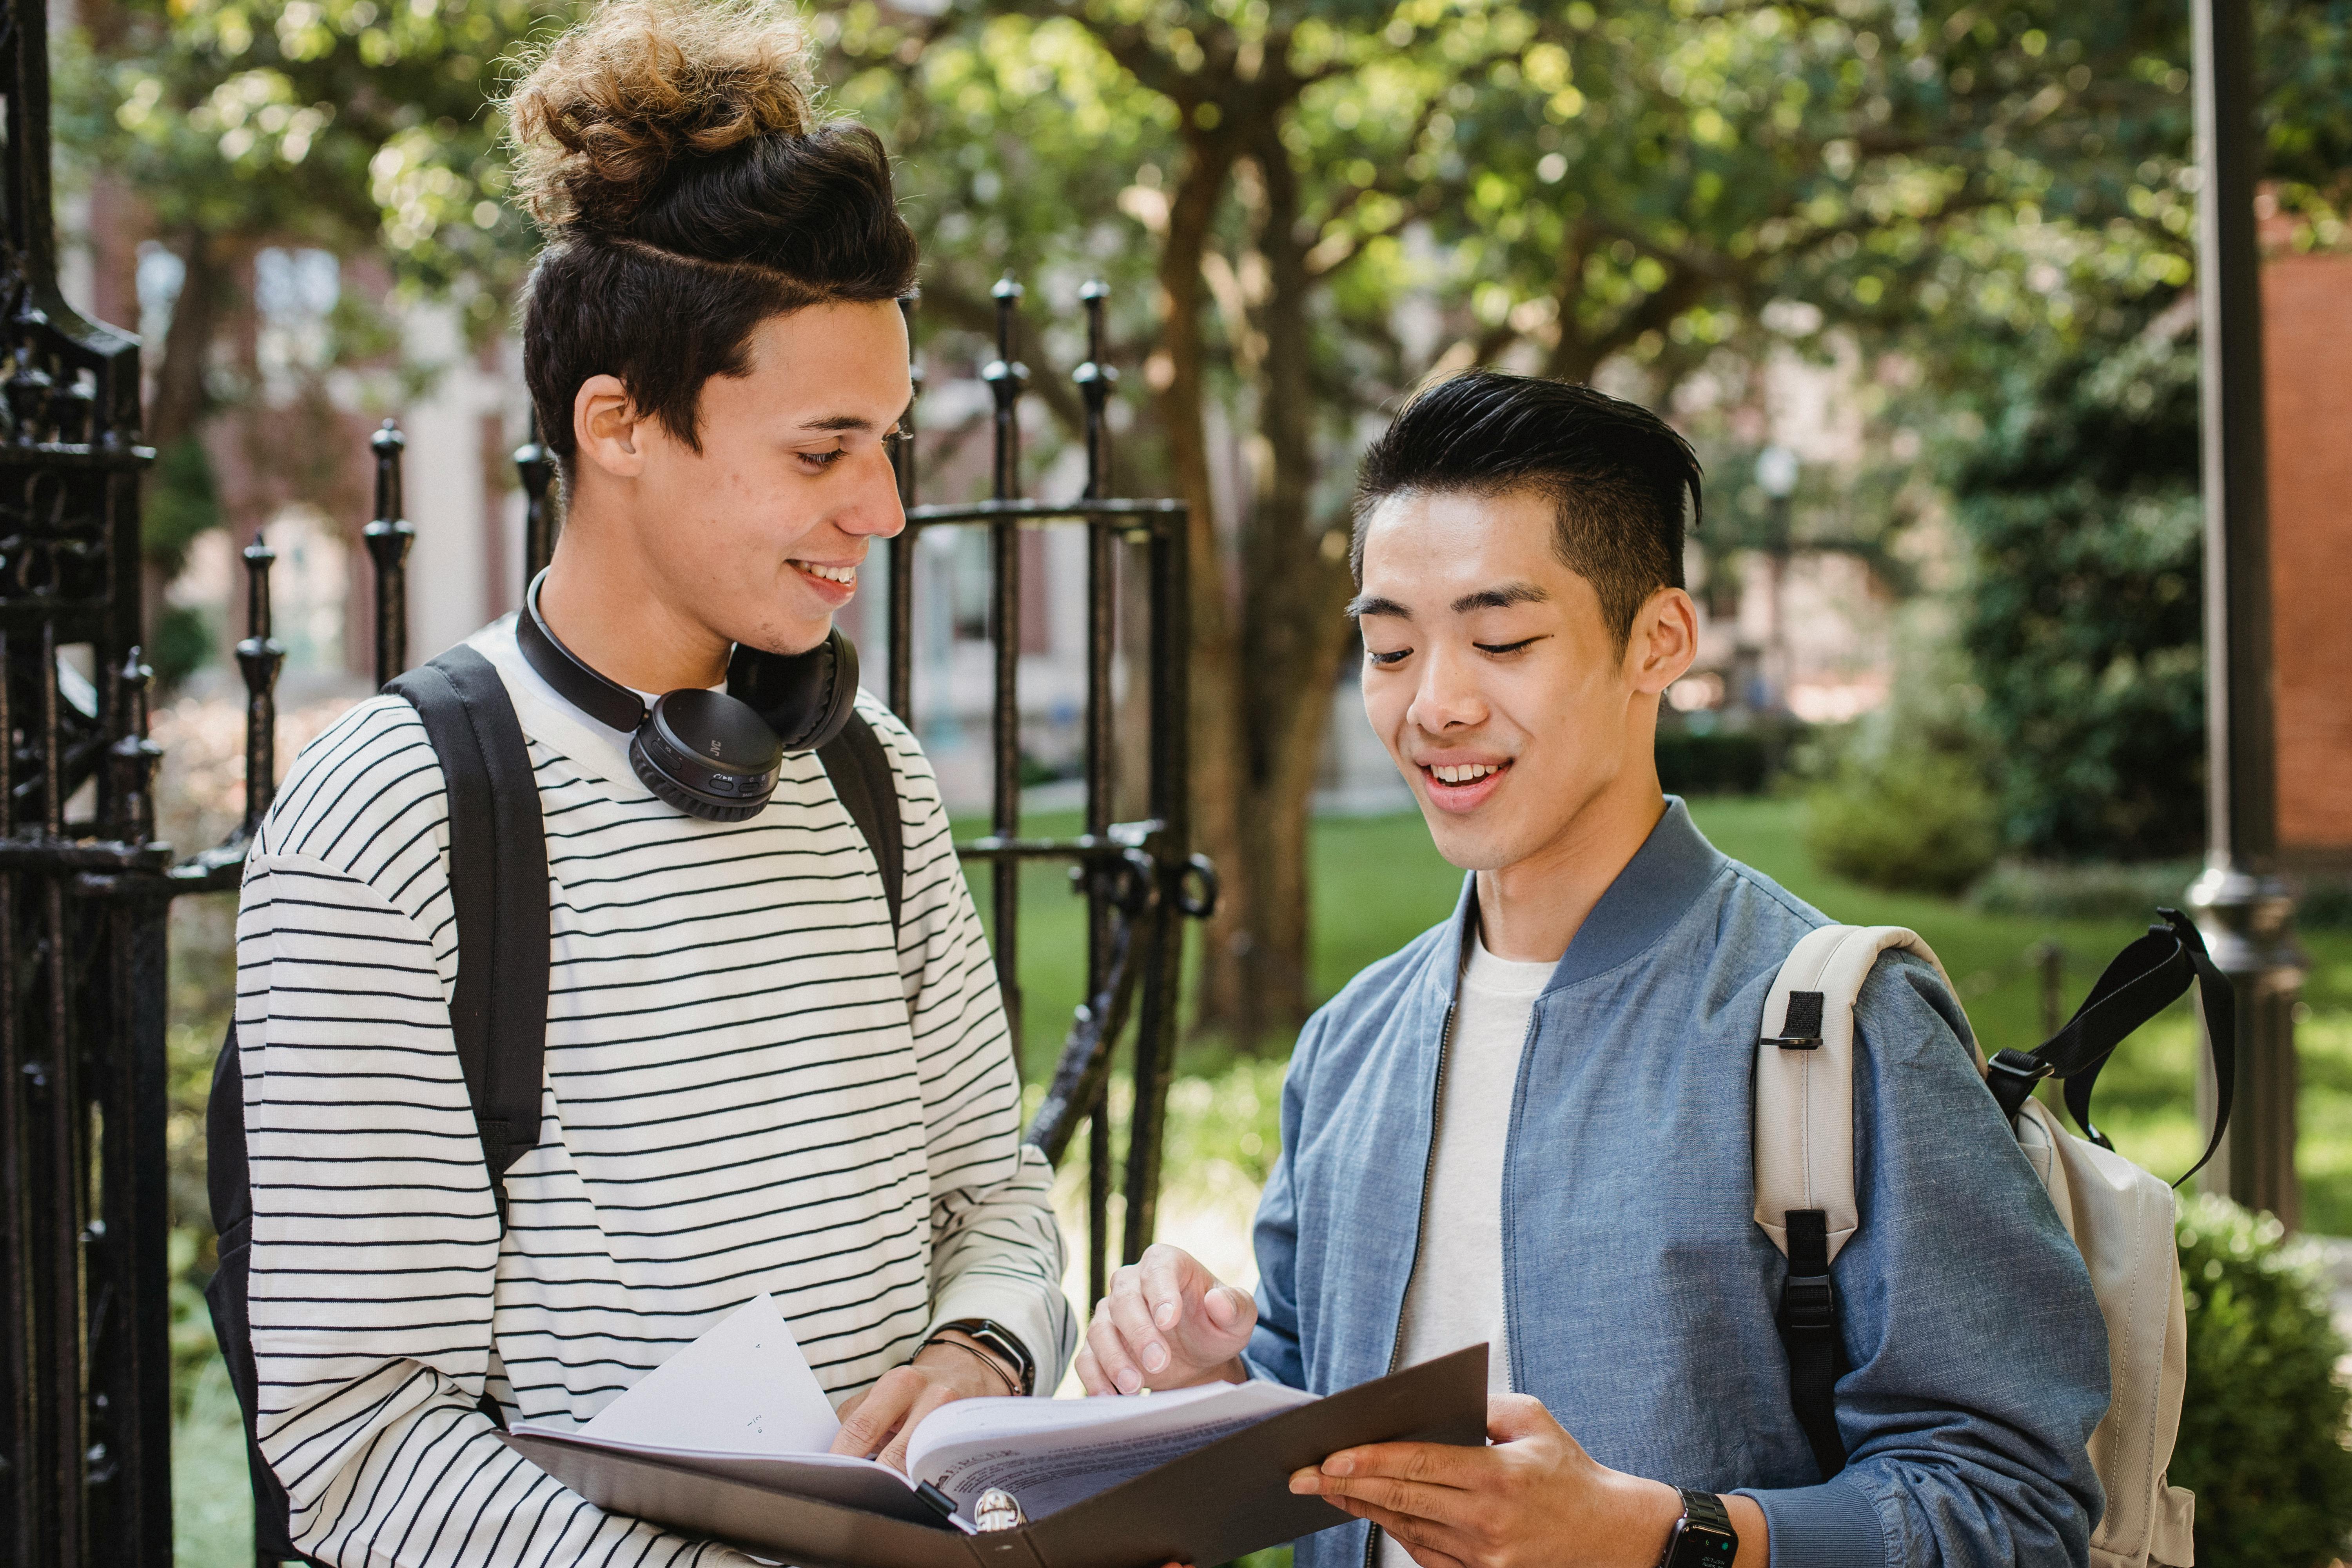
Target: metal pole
[388, 538]
[901, 556]
[1006, 377]
[536, 466]
[2245, 911]
[259, 656]
[1095, 380]
[1171, 789]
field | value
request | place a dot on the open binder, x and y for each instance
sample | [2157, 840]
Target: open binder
[1223, 1499]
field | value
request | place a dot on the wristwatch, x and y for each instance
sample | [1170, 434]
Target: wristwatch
[1703, 1537]
[995, 1337]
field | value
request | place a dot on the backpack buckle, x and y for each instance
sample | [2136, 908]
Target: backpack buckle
[2011, 1075]
[1808, 1302]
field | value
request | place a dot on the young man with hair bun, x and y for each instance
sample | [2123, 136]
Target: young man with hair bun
[753, 1083]
[1531, 1127]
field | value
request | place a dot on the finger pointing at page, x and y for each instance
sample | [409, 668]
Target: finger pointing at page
[1167, 1322]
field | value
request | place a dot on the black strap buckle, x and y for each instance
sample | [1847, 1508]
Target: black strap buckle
[2011, 1075]
[1809, 1303]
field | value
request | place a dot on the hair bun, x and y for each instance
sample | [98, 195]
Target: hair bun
[617, 101]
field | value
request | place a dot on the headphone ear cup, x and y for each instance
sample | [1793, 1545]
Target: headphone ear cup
[806, 698]
[669, 792]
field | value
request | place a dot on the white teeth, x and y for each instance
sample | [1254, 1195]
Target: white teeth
[1467, 773]
[830, 573]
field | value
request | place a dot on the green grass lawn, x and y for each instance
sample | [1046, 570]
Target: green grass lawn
[1378, 882]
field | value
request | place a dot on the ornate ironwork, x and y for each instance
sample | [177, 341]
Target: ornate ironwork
[536, 465]
[1139, 879]
[388, 538]
[85, 1380]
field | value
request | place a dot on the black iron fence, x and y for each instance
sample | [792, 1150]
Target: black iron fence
[85, 1380]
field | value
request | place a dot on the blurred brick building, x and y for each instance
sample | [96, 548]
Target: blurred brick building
[2307, 348]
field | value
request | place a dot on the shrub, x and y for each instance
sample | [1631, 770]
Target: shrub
[1913, 821]
[2261, 1433]
[1717, 761]
[2079, 506]
[2061, 891]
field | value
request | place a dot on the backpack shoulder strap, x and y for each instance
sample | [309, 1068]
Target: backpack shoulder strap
[2139, 983]
[1804, 1152]
[860, 771]
[498, 882]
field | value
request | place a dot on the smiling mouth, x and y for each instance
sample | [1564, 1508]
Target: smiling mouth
[847, 576]
[1466, 773]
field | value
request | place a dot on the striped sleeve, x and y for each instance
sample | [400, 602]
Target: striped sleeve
[375, 1245]
[996, 1251]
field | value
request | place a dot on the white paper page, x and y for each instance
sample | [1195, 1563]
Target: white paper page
[1053, 1453]
[742, 1388]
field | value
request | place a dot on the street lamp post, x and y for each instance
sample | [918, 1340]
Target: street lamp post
[2245, 910]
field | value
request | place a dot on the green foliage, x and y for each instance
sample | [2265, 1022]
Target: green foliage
[2263, 1429]
[1920, 821]
[182, 502]
[2079, 504]
[184, 643]
[2093, 891]
[1717, 761]
[345, 123]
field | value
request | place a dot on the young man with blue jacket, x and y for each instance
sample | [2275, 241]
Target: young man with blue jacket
[1531, 1127]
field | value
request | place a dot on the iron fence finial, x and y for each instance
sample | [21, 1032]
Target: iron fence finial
[258, 659]
[388, 538]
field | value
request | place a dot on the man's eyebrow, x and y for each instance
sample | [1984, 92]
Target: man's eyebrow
[1501, 597]
[839, 422]
[1364, 604]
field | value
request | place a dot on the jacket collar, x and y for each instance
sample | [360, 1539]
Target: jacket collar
[1659, 884]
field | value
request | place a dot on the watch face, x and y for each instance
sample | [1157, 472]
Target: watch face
[1704, 1548]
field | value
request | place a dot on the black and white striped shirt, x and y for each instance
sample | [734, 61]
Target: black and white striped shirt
[747, 1090]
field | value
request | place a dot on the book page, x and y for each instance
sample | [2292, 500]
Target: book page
[742, 1388]
[1050, 1454]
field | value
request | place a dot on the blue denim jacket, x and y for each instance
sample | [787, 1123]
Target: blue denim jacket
[1639, 1294]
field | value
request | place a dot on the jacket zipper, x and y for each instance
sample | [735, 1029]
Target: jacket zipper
[1421, 1223]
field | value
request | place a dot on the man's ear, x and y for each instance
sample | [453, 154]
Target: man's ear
[607, 428]
[1662, 642]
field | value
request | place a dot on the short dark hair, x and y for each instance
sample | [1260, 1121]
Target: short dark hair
[669, 151]
[1615, 473]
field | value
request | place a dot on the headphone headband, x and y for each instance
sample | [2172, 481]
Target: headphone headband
[713, 756]
[607, 700]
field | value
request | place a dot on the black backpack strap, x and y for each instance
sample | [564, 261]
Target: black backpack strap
[1809, 1333]
[498, 881]
[860, 771]
[2141, 980]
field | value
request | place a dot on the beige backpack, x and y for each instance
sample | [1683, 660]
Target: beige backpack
[2118, 1214]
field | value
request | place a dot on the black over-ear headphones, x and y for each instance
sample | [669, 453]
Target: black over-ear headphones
[712, 756]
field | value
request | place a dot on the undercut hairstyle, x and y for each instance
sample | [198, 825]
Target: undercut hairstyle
[670, 153]
[1614, 473]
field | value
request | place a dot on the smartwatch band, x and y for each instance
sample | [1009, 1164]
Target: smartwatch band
[1703, 1537]
[996, 1337]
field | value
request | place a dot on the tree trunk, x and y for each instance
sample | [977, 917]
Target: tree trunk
[178, 402]
[1184, 402]
[1292, 593]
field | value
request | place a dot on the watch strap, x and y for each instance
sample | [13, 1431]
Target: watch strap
[1703, 1537]
[999, 1340]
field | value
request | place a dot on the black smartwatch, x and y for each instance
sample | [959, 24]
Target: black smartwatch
[995, 1336]
[1703, 1537]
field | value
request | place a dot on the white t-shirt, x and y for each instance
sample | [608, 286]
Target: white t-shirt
[1456, 1297]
